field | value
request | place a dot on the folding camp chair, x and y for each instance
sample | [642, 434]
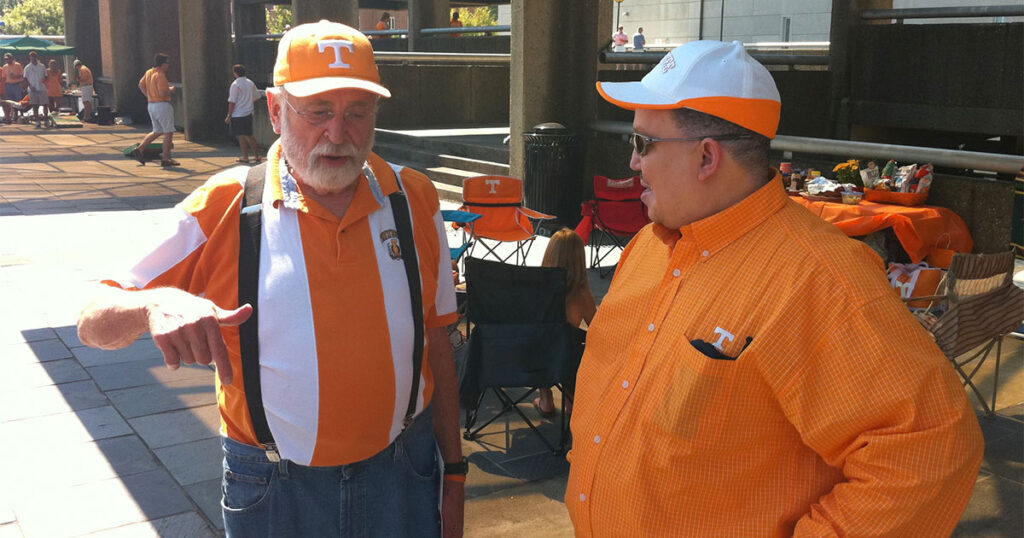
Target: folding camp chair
[520, 338]
[617, 212]
[499, 199]
[983, 306]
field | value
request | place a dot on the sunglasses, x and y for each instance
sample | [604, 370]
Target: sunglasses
[641, 143]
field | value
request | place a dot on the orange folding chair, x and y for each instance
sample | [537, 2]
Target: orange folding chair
[617, 212]
[499, 201]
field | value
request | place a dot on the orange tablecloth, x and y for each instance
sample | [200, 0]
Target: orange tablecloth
[919, 229]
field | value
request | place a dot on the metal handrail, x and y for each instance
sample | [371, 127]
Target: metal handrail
[971, 160]
[466, 29]
[944, 12]
[764, 58]
[442, 57]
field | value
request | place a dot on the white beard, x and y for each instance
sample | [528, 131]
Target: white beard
[313, 173]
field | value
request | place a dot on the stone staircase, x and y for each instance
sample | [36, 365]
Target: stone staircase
[446, 156]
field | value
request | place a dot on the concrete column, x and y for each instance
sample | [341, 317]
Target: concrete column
[82, 30]
[842, 37]
[426, 14]
[554, 66]
[343, 11]
[246, 19]
[205, 27]
[121, 58]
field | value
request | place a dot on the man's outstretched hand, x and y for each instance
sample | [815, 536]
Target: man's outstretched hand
[186, 329]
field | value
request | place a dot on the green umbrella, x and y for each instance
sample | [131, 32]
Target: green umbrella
[25, 45]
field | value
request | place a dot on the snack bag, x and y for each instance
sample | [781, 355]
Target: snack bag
[904, 175]
[923, 178]
[870, 175]
[885, 181]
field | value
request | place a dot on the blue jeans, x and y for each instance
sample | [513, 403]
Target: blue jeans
[394, 493]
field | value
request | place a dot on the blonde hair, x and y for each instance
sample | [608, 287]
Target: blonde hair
[565, 249]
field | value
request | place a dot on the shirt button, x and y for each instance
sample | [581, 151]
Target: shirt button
[650, 328]
[705, 254]
[676, 272]
[597, 439]
[583, 497]
[625, 384]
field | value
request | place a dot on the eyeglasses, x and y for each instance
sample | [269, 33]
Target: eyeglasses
[641, 142]
[317, 116]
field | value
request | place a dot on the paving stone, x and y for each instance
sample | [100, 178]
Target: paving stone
[187, 525]
[34, 351]
[193, 462]
[207, 496]
[145, 372]
[150, 399]
[76, 464]
[18, 335]
[101, 505]
[41, 374]
[996, 509]
[174, 427]
[140, 350]
[42, 401]
[67, 428]
[534, 510]
[69, 335]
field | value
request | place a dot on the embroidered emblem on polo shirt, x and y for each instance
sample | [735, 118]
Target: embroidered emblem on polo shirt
[390, 240]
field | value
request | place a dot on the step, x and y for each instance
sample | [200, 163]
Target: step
[485, 147]
[400, 152]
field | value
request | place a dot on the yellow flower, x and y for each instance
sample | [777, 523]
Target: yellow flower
[841, 166]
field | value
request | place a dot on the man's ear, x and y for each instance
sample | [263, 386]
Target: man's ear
[711, 155]
[274, 108]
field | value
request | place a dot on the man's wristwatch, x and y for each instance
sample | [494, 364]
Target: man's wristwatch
[456, 468]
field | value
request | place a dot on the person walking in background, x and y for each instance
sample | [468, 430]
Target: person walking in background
[750, 371]
[639, 41]
[566, 250]
[14, 84]
[337, 388]
[241, 96]
[455, 22]
[83, 76]
[35, 77]
[158, 91]
[54, 86]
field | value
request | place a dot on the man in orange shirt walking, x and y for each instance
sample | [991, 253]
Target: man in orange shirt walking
[750, 371]
[158, 91]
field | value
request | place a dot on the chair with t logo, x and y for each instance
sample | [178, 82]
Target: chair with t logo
[504, 219]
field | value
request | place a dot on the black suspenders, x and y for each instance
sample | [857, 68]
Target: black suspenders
[250, 227]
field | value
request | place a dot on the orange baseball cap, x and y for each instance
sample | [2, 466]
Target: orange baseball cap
[323, 56]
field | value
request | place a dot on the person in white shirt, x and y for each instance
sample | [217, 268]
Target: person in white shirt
[241, 96]
[35, 75]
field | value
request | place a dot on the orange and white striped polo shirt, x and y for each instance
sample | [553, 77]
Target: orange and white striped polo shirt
[753, 374]
[335, 325]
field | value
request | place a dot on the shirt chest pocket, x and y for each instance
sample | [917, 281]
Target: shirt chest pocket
[693, 397]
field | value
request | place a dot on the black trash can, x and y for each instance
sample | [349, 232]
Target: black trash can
[552, 180]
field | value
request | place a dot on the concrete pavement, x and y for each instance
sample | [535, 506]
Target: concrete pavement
[114, 444]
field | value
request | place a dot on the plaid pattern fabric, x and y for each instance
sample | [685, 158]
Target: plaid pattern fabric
[754, 374]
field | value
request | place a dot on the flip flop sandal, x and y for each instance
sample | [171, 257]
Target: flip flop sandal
[541, 412]
[241, 160]
[171, 162]
[139, 157]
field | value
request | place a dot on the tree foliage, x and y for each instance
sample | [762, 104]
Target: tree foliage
[35, 17]
[278, 19]
[478, 16]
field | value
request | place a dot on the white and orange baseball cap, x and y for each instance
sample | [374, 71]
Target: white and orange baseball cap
[323, 56]
[716, 78]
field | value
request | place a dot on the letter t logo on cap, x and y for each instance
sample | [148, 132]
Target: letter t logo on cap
[336, 44]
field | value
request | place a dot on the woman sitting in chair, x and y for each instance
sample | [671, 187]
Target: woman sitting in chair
[565, 249]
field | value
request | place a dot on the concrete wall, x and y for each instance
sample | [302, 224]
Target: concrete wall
[445, 95]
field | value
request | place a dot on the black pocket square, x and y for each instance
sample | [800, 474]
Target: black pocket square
[713, 352]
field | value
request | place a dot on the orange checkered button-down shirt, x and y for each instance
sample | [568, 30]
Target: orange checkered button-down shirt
[829, 410]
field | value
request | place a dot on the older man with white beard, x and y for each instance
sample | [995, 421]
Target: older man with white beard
[335, 430]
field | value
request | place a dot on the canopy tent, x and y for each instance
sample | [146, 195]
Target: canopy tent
[26, 44]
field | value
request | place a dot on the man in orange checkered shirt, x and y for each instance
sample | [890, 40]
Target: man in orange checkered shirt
[362, 442]
[750, 371]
